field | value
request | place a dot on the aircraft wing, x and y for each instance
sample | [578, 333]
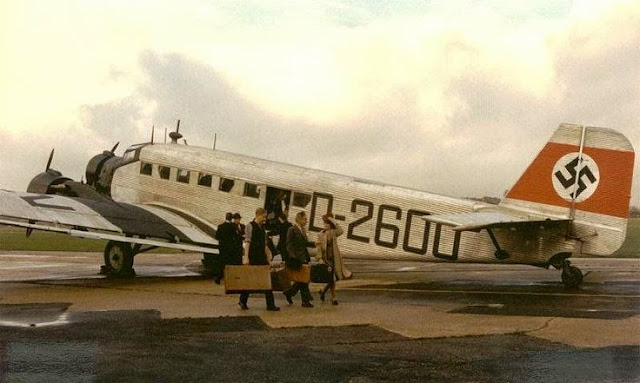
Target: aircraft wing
[476, 221]
[104, 219]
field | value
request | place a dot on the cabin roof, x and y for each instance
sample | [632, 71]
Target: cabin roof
[258, 170]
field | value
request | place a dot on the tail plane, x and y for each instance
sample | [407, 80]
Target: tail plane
[583, 174]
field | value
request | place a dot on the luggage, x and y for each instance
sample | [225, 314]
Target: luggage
[320, 273]
[303, 275]
[280, 280]
[247, 279]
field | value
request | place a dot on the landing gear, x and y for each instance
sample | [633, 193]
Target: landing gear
[571, 276]
[118, 259]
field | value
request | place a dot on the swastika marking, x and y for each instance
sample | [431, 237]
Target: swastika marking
[565, 174]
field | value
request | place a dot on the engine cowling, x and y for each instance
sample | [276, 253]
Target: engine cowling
[47, 182]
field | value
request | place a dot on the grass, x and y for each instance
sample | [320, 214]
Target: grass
[13, 238]
[631, 246]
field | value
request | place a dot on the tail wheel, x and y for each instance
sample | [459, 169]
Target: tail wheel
[118, 259]
[571, 276]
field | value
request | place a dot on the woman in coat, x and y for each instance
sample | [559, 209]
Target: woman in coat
[329, 250]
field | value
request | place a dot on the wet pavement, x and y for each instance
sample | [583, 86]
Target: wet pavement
[397, 321]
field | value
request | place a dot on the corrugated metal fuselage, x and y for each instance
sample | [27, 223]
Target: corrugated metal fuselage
[380, 221]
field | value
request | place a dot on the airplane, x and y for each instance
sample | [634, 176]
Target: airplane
[572, 199]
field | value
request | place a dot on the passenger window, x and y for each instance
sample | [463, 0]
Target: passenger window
[301, 199]
[251, 190]
[145, 168]
[182, 176]
[226, 184]
[164, 172]
[204, 179]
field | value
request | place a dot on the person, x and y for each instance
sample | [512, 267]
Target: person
[238, 240]
[256, 252]
[283, 229]
[329, 251]
[298, 254]
[224, 235]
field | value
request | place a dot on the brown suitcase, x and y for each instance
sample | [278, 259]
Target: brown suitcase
[247, 279]
[280, 280]
[303, 275]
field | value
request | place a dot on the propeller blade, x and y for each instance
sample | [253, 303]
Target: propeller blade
[178, 127]
[115, 147]
[153, 130]
[50, 159]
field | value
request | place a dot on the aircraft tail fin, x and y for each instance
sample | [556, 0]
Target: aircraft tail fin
[583, 174]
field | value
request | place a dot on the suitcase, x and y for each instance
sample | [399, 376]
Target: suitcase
[247, 279]
[280, 280]
[303, 275]
[320, 273]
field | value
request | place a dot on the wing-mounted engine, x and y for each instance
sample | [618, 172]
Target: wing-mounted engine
[52, 181]
[48, 181]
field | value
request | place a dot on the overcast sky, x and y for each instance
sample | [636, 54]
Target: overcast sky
[454, 97]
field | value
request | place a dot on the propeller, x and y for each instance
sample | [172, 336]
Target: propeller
[50, 159]
[175, 136]
[115, 147]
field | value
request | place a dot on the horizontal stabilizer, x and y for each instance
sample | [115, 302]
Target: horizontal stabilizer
[477, 221]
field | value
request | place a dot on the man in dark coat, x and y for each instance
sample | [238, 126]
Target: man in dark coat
[256, 252]
[238, 241]
[224, 235]
[298, 254]
[283, 230]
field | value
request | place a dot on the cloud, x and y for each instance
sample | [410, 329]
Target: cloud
[452, 102]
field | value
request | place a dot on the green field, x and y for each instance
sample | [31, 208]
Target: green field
[13, 238]
[631, 246]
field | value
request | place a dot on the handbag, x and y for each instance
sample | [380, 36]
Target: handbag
[303, 275]
[320, 273]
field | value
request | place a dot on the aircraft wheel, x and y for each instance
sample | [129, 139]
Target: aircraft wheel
[571, 276]
[118, 259]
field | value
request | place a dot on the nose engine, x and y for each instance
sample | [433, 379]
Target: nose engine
[100, 170]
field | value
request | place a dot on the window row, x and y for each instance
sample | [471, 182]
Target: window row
[205, 179]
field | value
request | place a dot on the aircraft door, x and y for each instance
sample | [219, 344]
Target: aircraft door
[277, 202]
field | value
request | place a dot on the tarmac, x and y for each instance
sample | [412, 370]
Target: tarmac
[396, 321]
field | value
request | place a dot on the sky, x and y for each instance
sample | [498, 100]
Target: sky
[453, 97]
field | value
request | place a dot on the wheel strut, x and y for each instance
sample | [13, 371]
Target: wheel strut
[571, 276]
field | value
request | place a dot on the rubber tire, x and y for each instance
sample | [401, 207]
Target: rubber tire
[118, 258]
[571, 277]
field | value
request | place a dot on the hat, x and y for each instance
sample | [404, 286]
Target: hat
[236, 216]
[228, 217]
[328, 218]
